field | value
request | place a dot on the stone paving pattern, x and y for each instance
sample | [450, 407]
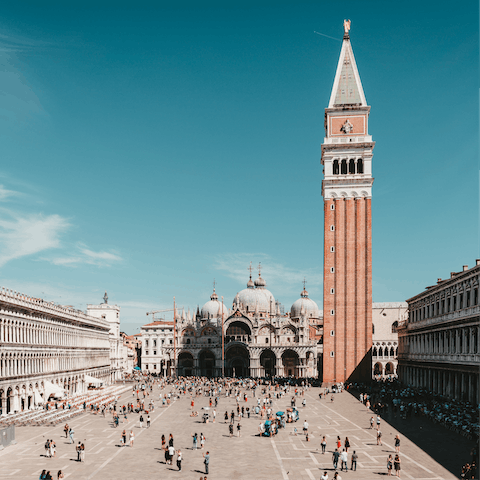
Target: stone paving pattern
[286, 456]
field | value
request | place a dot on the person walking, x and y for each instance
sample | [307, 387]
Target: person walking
[238, 429]
[305, 427]
[66, 429]
[324, 444]
[179, 460]
[82, 452]
[379, 437]
[214, 414]
[148, 421]
[335, 457]
[397, 444]
[206, 461]
[354, 461]
[171, 453]
[230, 429]
[324, 476]
[60, 475]
[78, 451]
[195, 441]
[202, 441]
[372, 421]
[141, 421]
[378, 422]
[396, 465]
[131, 437]
[339, 443]
[344, 460]
[226, 416]
[123, 438]
[389, 465]
[70, 433]
[347, 444]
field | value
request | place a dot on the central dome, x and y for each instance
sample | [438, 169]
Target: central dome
[304, 306]
[256, 299]
[213, 308]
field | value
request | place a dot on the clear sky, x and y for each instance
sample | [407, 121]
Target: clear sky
[150, 147]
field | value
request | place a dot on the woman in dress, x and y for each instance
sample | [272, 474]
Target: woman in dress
[339, 444]
[389, 465]
[82, 452]
[202, 441]
[131, 438]
[347, 444]
[124, 438]
[396, 465]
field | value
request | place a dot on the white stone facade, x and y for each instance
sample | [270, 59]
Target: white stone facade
[156, 336]
[439, 343]
[41, 342]
[118, 351]
[385, 319]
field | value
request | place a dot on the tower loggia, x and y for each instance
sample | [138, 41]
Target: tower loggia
[347, 153]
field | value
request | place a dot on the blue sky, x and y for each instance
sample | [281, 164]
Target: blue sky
[150, 147]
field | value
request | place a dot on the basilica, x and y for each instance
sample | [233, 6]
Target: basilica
[258, 339]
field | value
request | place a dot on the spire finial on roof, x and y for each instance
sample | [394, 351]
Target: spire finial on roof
[346, 28]
[259, 269]
[304, 293]
[250, 268]
[214, 285]
[105, 297]
[304, 282]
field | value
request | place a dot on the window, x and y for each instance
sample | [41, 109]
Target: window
[154, 352]
[344, 167]
[209, 340]
[146, 343]
[332, 228]
[171, 341]
[163, 341]
[332, 206]
[332, 249]
[188, 341]
[351, 166]
[332, 291]
[460, 301]
[154, 367]
[332, 312]
[154, 343]
[331, 354]
[373, 329]
[332, 333]
[146, 367]
[146, 352]
[335, 168]
[332, 270]
[266, 340]
[467, 299]
[359, 165]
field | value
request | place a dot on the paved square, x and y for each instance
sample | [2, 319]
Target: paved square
[286, 456]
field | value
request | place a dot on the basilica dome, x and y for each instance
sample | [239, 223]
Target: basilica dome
[304, 306]
[213, 308]
[259, 298]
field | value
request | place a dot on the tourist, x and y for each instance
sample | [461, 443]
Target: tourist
[226, 416]
[347, 444]
[337, 476]
[396, 465]
[179, 460]
[123, 438]
[389, 465]
[214, 414]
[47, 448]
[163, 442]
[171, 453]
[324, 444]
[397, 444]
[82, 452]
[202, 441]
[344, 460]
[230, 429]
[339, 443]
[66, 429]
[141, 421]
[378, 422]
[324, 476]
[70, 434]
[195, 441]
[131, 437]
[48, 476]
[238, 429]
[60, 475]
[148, 421]
[372, 421]
[379, 437]
[42, 475]
[206, 461]
[79, 452]
[335, 457]
[305, 427]
[354, 461]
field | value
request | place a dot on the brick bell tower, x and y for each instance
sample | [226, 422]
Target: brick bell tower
[347, 153]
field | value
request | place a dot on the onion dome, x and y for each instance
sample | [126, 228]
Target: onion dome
[213, 308]
[260, 282]
[304, 306]
[255, 299]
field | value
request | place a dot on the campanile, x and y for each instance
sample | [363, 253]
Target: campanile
[347, 153]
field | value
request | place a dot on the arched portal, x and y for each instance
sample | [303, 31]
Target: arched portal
[290, 363]
[268, 362]
[389, 368]
[237, 361]
[185, 364]
[238, 332]
[377, 369]
[207, 363]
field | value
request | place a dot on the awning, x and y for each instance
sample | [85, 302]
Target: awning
[92, 380]
[52, 390]
[37, 397]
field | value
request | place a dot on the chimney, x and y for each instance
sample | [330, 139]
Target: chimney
[439, 280]
[452, 274]
[477, 261]
[465, 268]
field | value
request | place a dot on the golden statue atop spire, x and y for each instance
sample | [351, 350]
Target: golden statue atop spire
[346, 27]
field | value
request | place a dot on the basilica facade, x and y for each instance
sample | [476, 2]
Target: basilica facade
[258, 340]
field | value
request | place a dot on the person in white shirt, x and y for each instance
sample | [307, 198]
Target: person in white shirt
[344, 460]
[305, 427]
[324, 476]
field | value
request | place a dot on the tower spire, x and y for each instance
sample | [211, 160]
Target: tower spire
[347, 87]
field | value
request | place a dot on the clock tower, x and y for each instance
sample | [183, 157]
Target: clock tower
[347, 152]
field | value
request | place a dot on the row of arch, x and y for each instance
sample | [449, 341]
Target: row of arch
[384, 351]
[15, 331]
[345, 167]
[384, 369]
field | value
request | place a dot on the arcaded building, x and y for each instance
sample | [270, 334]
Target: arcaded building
[258, 339]
[385, 319]
[47, 348]
[439, 342]
[347, 152]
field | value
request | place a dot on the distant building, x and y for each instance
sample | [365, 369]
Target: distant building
[439, 347]
[385, 319]
[155, 337]
[118, 352]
